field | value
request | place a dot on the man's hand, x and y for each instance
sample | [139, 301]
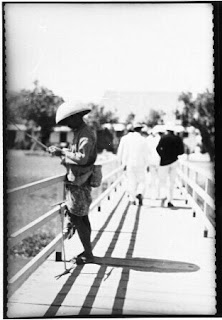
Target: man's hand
[63, 161]
[55, 151]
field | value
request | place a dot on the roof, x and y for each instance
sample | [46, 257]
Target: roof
[119, 126]
[61, 129]
[115, 126]
[139, 102]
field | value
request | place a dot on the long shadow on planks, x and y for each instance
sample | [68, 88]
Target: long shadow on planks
[126, 264]
[147, 265]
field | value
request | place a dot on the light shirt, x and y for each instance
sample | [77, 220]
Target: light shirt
[133, 151]
[122, 149]
[152, 142]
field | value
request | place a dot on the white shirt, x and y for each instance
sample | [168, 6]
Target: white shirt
[133, 151]
[122, 149]
[152, 142]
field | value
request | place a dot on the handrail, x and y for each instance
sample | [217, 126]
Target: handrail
[34, 186]
[37, 185]
[49, 215]
[207, 174]
[36, 224]
[194, 193]
[19, 278]
[105, 193]
[32, 226]
[16, 281]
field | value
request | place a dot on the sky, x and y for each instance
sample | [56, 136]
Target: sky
[80, 51]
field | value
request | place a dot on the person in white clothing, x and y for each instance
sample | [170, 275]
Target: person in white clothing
[122, 149]
[133, 155]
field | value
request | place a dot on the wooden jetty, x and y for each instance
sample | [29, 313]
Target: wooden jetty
[149, 260]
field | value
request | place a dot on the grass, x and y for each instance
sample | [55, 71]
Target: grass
[23, 167]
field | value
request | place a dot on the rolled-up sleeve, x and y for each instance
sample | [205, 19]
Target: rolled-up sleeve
[80, 157]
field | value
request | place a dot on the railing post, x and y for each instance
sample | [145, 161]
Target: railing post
[196, 177]
[206, 189]
[60, 197]
[205, 207]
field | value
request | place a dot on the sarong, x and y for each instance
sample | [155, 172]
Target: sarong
[78, 199]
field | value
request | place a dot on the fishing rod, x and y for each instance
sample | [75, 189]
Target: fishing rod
[33, 138]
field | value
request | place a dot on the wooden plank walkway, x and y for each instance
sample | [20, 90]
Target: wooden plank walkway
[149, 261]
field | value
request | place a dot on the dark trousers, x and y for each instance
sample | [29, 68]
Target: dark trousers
[83, 228]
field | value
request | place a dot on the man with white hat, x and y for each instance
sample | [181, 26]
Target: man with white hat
[78, 160]
[169, 148]
[134, 156]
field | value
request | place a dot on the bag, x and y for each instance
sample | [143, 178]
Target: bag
[96, 176]
[77, 175]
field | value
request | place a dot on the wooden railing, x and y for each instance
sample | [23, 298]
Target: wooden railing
[109, 184]
[198, 187]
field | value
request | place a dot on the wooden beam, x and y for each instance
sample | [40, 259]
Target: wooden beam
[105, 193]
[34, 186]
[17, 280]
[34, 225]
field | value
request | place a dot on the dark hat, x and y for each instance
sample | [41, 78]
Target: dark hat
[137, 125]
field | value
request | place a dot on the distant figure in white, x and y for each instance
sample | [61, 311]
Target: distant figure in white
[154, 164]
[133, 155]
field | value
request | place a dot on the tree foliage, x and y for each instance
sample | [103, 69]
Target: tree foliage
[199, 113]
[38, 105]
[99, 116]
[155, 117]
[130, 118]
[95, 119]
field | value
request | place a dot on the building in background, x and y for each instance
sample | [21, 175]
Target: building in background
[140, 103]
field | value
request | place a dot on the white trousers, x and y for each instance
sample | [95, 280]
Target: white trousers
[136, 181]
[154, 185]
[167, 175]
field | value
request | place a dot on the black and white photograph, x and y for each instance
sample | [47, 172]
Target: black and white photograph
[110, 159]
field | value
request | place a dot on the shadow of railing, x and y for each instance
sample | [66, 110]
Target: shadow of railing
[128, 263]
[57, 302]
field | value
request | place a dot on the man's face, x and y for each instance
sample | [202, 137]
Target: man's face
[73, 121]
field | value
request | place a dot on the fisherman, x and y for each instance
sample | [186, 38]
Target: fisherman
[133, 156]
[169, 148]
[78, 160]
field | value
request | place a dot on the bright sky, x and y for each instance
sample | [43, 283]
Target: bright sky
[81, 50]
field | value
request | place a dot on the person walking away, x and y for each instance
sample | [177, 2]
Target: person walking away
[134, 156]
[154, 164]
[169, 148]
[78, 160]
[122, 148]
[122, 151]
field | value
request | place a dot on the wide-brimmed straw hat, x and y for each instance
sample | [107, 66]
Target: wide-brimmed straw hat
[170, 127]
[137, 125]
[68, 109]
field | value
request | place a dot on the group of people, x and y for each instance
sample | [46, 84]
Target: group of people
[135, 154]
[157, 154]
